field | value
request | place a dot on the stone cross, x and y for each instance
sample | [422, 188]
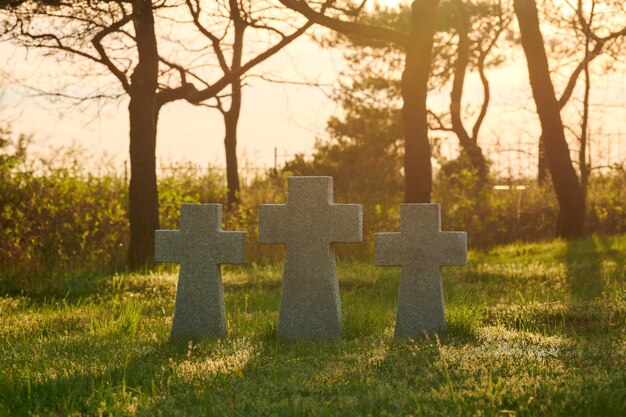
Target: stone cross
[200, 246]
[420, 248]
[310, 307]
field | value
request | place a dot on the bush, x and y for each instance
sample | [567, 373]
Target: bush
[496, 212]
[57, 216]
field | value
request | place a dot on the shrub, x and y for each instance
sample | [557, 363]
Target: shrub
[58, 216]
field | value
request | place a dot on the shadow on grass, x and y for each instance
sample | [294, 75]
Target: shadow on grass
[595, 322]
[583, 261]
[321, 377]
[113, 374]
[179, 378]
[54, 285]
[594, 265]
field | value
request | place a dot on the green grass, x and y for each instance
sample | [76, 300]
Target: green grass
[533, 329]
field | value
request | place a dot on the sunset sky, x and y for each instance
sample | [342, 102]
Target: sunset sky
[283, 116]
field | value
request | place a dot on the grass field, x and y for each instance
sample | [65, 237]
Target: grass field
[533, 329]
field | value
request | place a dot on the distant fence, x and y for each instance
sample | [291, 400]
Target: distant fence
[518, 159]
[512, 161]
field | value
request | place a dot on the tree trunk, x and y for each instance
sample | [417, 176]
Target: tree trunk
[584, 134]
[417, 153]
[143, 212]
[542, 163]
[230, 144]
[568, 190]
[231, 117]
[468, 144]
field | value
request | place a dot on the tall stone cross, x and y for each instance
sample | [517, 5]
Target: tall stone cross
[421, 248]
[310, 307]
[200, 246]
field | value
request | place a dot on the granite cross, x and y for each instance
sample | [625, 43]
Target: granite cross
[310, 307]
[200, 247]
[420, 248]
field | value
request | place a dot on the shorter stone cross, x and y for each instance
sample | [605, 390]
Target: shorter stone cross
[200, 246]
[421, 248]
[309, 306]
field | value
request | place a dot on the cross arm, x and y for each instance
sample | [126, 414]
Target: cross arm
[232, 248]
[347, 223]
[167, 247]
[387, 249]
[453, 248]
[273, 223]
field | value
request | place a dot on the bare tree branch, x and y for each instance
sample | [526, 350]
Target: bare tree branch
[196, 96]
[104, 58]
[347, 28]
[215, 41]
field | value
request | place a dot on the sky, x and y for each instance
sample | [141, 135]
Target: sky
[283, 117]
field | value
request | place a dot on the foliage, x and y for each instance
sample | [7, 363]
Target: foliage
[55, 214]
[606, 201]
[186, 183]
[362, 154]
[533, 330]
[58, 216]
[521, 210]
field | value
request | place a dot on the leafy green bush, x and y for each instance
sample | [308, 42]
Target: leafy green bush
[496, 212]
[57, 215]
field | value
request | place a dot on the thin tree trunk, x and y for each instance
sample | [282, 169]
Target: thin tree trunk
[143, 212]
[584, 134]
[230, 144]
[417, 153]
[468, 144]
[590, 55]
[584, 137]
[231, 117]
[571, 217]
[542, 163]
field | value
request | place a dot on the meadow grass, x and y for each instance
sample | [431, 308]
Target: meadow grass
[533, 329]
